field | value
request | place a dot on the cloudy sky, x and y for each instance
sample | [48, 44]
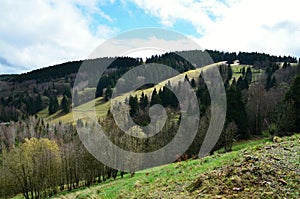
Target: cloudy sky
[39, 33]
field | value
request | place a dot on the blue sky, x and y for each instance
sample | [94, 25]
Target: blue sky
[39, 33]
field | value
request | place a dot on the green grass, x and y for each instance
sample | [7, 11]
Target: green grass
[172, 178]
[166, 177]
[256, 168]
[246, 144]
[256, 73]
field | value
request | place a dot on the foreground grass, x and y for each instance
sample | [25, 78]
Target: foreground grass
[271, 170]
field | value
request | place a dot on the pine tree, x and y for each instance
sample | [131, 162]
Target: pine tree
[134, 106]
[229, 72]
[143, 101]
[108, 93]
[293, 96]
[68, 93]
[65, 104]
[186, 78]
[39, 103]
[243, 71]
[236, 110]
[155, 98]
[242, 83]
[248, 76]
[53, 105]
[193, 83]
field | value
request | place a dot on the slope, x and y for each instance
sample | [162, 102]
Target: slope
[101, 107]
[262, 170]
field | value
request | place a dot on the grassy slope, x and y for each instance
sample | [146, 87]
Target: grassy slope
[102, 108]
[270, 163]
[256, 73]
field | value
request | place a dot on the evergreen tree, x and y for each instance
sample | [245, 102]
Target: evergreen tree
[193, 83]
[242, 83]
[243, 71]
[233, 83]
[293, 96]
[30, 106]
[186, 78]
[108, 93]
[68, 93]
[248, 76]
[229, 72]
[236, 111]
[155, 99]
[39, 103]
[143, 101]
[53, 105]
[203, 95]
[201, 80]
[65, 104]
[285, 65]
[134, 106]
[270, 81]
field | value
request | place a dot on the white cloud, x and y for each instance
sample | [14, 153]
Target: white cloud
[196, 12]
[254, 25]
[38, 33]
[246, 25]
[41, 33]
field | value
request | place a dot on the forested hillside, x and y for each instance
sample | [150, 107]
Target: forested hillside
[40, 158]
[26, 94]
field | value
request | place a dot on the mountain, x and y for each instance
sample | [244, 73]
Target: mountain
[29, 93]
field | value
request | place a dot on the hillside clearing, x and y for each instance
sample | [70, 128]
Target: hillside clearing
[102, 107]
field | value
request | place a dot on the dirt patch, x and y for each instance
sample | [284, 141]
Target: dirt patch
[265, 171]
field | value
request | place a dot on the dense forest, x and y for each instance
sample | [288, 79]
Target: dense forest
[39, 159]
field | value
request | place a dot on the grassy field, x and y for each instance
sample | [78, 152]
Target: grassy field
[161, 176]
[257, 169]
[256, 73]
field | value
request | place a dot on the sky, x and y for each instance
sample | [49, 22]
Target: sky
[40, 33]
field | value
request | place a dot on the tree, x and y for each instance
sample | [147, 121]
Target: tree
[248, 76]
[65, 104]
[68, 93]
[293, 97]
[242, 83]
[186, 78]
[134, 106]
[39, 103]
[193, 83]
[243, 71]
[53, 105]
[36, 166]
[143, 101]
[229, 72]
[108, 93]
[228, 136]
[155, 98]
[270, 81]
[236, 111]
